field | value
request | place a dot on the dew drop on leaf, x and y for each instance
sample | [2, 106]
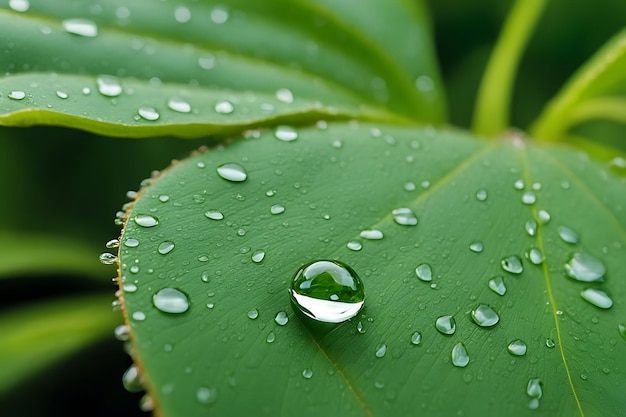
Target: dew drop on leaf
[446, 325]
[270, 337]
[253, 314]
[512, 264]
[360, 328]
[404, 216]
[258, 256]
[165, 247]
[484, 316]
[277, 209]
[281, 318]
[371, 234]
[122, 332]
[424, 272]
[81, 27]
[416, 338]
[107, 258]
[109, 85]
[307, 373]
[327, 291]
[529, 197]
[285, 95]
[543, 216]
[354, 245]
[146, 220]
[535, 256]
[206, 395]
[17, 95]
[481, 195]
[531, 227]
[62, 95]
[214, 215]
[182, 14]
[476, 247]
[460, 358]
[139, 316]
[219, 15]
[517, 348]
[19, 5]
[131, 243]
[584, 267]
[497, 285]
[148, 113]
[597, 297]
[286, 133]
[519, 184]
[179, 105]
[534, 389]
[568, 235]
[621, 328]
[232, 172]
[224, 107]
[131, 379]
[381, 350]
[550, 343]
[170, 300]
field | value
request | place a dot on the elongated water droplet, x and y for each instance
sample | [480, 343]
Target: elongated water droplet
[281, 318]
[512, 264]
[146, 220]
[107, 258]
[214, 215]
[446, 324]
[19, 5]
[139, 316]
[179, 105]
[109, 85]
[206, 395]
[232, 172]
[517, 348]
[529, 197]
[285, 95]
[17, 95]
[148, 113]
[277, 209]
[112, 244]
[533, 389]
[568, 235]
[543, 216]
[286, 133]
[586, 268]
[484, 316]
[424, 272]
[460, 358]
[381, 350]
[416, 338]
[62, 95]
[131, 379]
[404, 216]
[258, 256]
[131, 243]
[81, 27]
[354, 245]
[170, 300]
[327, 291]
[497, 285]
[531, 227]
[597, 297]
[535, 256]
[476, 247]
[360, 328]
[621, 328]
[165, 247]
[270, 337]
[371, 234]
[224, 107]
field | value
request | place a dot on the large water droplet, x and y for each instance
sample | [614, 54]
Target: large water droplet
[568, 235]
[19, 5]
[404, 216]
[327, 291]
[170, 300]
[281, 318]
[529, 197]
[81, 27]
[517, 348]
[277, 209]
[596, 297]
[17, 95]
[165, 247]
[371, 234]
[586, 268]
[286, 133]
[484, 316]
[253, 314]
[512, 264]
[424, 272]
[460, 357]
[535, 256]
[232, 172]
[497, 285]
[109, 86]
[146, 220]
[148, 113]
[224, 107]
[179, 105]
[131, 380]
[446, 324]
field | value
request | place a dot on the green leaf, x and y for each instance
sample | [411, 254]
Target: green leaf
[596, 91]
[204, 54]
[221, 348]
[37, 336]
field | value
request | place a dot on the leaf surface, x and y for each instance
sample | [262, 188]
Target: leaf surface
[270, 62]
[228, 354]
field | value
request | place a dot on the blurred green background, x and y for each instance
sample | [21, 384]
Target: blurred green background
[67, 185]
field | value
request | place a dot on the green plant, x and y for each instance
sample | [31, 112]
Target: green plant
[332, 121]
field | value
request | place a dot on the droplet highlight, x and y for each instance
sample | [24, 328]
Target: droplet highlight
[424, 272]
[146, 220]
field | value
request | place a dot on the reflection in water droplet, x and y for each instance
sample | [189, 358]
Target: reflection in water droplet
[484, 316]
[354, 245]
[81, 27]
[497, 285]
[371, 234]
[476, 247]
[277, 209]
[148, 113]
[258, 256]
[131, 243]
[583, 267]
[17, 95]
[416, 338]
[381, 350]
[512, 264]
[550, 343]
[109, 85]
[360, 328]
[253, 314]
[597, 297]
[446, 324]
[107, 258]
[206, 395]
[327, 291]
[146, 220]
[224, 107]
[286, 133]
[531, 227]
[404, 216]
[281, 318]
[460, 358]
[517, 348]
[481, 195]
[568, 235]
[179, 105]
[232, 172]
[529, 197]
[424, 272]
[170, 300]
[307, 373]
[535, 256]
[132, 380]
[214, 215]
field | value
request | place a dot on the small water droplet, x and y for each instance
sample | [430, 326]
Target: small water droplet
[258, 256]
[286, 133]
[529, 197]
[484, 316]
[519, 184]
[112, 244]
[214, 215]
[425, 184]
[531, 227]
[307, 373]
[512, 264]
[17, 95]
[281, 318]
[277, 209]
[139, 316]
[132, 380]
[206, 62]
[360, 328]
[146, 220]
[424, 272]
[371, 234]
[327, 291]
[219, 15]
[381, 350]
[165, 247]
[409, 186]
[460, 358]
[148, 113]
[517, 348]
[182, 14]
[170, 300]
[81, 27]
[476, 247]
[253, 314]
[232, 172]
[497, 285]
[533, 389]
[597, 297]
[129, 287]
[568, 235]
[62, 95]
[543, 216]
[586, 268]
[285, 95]
[179, 105]
[206, 395]
[424, 83]
[416, 338]
[481, 195]
[354, 245]
[446, 324]
[224, 107]
[109, 85]
[535, 256]
[19, 5]
[270, 337]
[131, 243]
[621, 328]
[550, 343]
[107, 258]
[404, 216]
[122, 332]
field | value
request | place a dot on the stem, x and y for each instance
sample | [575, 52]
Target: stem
[493, 104]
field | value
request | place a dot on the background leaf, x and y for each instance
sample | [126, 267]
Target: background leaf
[219, 356]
